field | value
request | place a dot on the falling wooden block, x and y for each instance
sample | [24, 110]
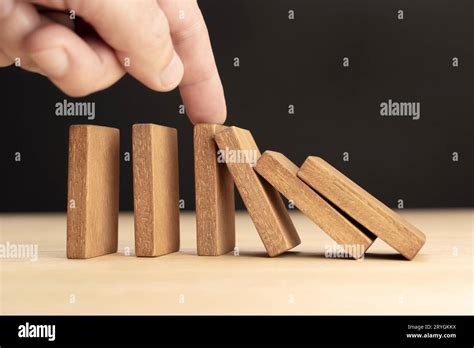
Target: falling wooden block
[362, 207]
[93, 191]
[155, 189]
[263, 202]
[281, 173]
[215, 207]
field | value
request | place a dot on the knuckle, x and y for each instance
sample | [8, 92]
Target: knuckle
[77, 91]
[30, 66]
[188, 29]
[160, 26]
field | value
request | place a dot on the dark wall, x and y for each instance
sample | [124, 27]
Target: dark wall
[282, 62]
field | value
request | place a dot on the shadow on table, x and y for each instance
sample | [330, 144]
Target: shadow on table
[298, 255]
[380, 256]
[320, 255]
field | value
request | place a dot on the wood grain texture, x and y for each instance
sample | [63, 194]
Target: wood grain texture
[93, 191]
[215, 204]
[262, 201]
[362, 206]
[281, 173]
[155, 189]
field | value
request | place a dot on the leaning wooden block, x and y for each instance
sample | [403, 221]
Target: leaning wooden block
[263, 202]
[215, 207]
[362, 207]
[93, 191]
[281, 173]
[155, 189]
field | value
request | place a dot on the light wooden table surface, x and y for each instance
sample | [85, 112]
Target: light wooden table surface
[438, 281]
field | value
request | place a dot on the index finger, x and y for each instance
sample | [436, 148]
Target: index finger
[201, 88]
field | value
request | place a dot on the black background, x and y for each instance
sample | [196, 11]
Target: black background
[286, 62]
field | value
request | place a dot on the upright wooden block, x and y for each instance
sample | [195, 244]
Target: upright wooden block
[281, 173]
[263, 202]
[93, 191]
[362, 206]
[215, 206]
[155, 189]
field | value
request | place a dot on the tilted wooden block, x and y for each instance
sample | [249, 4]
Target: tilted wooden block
[93, 191]
[215, 205]
[155, 189]
[281, 173]
[263, 202]
[362, 206]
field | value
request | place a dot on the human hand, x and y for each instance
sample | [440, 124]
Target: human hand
[162, 43]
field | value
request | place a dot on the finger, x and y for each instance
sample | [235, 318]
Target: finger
[4, 60]
[139, 32]
[6, 7]
[20, 22]
[201, 87]
[77, 66]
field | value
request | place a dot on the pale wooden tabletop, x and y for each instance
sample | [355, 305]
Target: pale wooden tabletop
[438, 281]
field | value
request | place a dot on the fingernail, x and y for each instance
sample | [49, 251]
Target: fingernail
[171, 76]
[54, 62]
[6, 7]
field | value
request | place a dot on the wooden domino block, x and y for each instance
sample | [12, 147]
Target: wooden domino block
[93, 191]
[362, 206]
[263, 202]
[280, 172]
[155, 189]
[215, 206]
